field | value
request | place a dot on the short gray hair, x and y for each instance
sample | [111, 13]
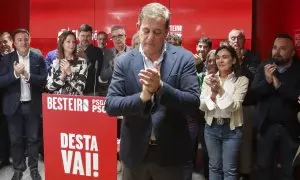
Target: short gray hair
[241, 31]
[154, 11]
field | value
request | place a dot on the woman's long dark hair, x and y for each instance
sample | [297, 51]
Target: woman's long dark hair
[60, 48]
[235, 67]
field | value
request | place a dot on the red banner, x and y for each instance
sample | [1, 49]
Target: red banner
[79, 138]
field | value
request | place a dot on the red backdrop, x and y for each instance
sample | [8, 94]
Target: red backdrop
[195, 18]
[269, 17]
[272, 17]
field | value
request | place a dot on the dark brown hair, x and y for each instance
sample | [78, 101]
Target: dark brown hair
[236, 67]
[60, 48]
[17, 31]
[86, 28]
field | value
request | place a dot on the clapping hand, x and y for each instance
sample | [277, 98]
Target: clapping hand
[269, 72]
[19, 68]
[65, 66]
[198, 59]
[150, 79]
[214, 83]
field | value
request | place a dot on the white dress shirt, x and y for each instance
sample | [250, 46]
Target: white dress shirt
[149, 64]
[25, 85]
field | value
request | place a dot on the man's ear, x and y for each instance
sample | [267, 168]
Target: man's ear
[138, 26]
[293, 52]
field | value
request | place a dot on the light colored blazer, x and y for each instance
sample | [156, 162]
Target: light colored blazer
[231, 100]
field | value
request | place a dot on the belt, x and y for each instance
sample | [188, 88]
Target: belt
[152, 142]
[221, 121]
[24, 102]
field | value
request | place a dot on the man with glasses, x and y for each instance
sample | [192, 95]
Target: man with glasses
[249, 62]
[118, 36]
[108, 56]
[94, 57]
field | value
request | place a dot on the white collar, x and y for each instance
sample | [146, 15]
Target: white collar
[27, 56]
[230, 76]
[160, 57]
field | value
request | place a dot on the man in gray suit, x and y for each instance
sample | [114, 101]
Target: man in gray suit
[154, 87]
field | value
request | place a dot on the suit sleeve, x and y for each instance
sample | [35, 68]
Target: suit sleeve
[260, 86]
[40, 79]
[117, 102]
[290, 93]
[6, 72]
[185, 97]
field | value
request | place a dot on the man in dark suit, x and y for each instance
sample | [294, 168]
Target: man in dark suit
[4, 137]
[118, 36]
[277, 84]
[23, 75]
[249, 62]
[94, 59]
[108, 56]
[154, 87]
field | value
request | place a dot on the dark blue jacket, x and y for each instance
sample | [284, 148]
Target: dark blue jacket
[179, 98]
[12, 86]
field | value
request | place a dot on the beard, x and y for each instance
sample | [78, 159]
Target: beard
[280, 61]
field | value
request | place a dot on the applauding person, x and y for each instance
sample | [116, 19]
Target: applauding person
[221, 99]
[69, 72]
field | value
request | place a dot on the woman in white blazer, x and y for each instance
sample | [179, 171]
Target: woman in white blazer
[221, 99]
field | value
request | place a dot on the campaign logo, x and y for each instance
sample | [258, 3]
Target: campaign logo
[98, 105]
[68, 104]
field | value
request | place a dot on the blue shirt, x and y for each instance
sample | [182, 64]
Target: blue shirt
[49, 59]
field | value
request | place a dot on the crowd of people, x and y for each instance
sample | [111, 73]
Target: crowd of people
[225, 105]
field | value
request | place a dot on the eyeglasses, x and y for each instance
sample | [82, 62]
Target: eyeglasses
[120, 36]
[236, 38]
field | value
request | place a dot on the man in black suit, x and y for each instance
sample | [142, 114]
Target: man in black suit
[154, 87]
[94, 58]
[24, 76]
[4, 138]
[277, 83]
[249, 62]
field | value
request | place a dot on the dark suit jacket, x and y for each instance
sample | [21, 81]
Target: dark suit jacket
[249, 66]
[12, 94]
[278, 106]
[93, 54]
[179, 97]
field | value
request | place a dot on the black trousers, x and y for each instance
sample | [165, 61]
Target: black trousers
[150, 170]
[4, 140]
[275, 140]
[24, 124]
